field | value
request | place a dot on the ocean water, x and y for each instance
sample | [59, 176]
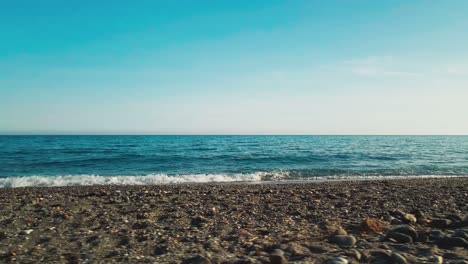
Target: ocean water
[89, 160]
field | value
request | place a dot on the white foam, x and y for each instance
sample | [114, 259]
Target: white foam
[157, 179]
[151, 179]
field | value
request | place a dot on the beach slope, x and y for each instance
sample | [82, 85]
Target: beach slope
[395, 221]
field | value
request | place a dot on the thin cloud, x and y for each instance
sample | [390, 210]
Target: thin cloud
[375, 66]
[457, 69]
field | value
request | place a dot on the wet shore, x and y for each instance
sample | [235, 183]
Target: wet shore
[395, 221]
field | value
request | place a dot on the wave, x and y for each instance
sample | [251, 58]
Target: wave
[159, 179]
[150, 179]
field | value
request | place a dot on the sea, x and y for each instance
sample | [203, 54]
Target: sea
[148, 160]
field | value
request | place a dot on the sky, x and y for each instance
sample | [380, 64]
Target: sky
[234, 67]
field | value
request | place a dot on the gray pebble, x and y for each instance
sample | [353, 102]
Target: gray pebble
[398, 259]
[399, 237]
[436, 234]
[278, 259]
[451, 242]
[278, 252]
[436, 259]
[463, 233]
[26, 232]
[441, 223]
[343, 240]
[338, 260]
[406, 230]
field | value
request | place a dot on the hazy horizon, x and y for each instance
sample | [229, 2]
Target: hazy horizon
[237, 68]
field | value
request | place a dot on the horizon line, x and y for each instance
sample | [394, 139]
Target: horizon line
[214, 134]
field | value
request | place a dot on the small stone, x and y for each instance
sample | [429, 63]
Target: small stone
[124, 240]
[298, 250]
[380, 260]
[354, 254]
[463, 223]
[398, 259]
[320, 248]
[399, 237]
[343, 240]
[423, 237]
[451, 255]
[380, 257]
[278, 259]
[278, 252]
[436, 234]
[463, 233]
[422, 220]
[398, 213]
[451, 242]
[198, 221]
[396, 221]
[2, 235]
[373, 225]
[338, 260]
[454, 217]
[409, 218]
[388, 218]
[406, 230]
[26, 232]
[441, 223]
[197, 260]
[340, 232]
[436, 259]
[160, 250]
[45, 211]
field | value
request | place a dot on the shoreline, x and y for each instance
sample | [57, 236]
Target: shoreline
[38, 181]
[419, 220]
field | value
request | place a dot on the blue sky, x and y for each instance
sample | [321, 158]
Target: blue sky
[234, 67]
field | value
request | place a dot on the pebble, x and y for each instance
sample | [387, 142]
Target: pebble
[463, 233]
[451, 242]
[436, 259]
[338, 260]
[340, 232]
[436, 234]
[451, 255]
[409, 218]
[380, 261]
[398, 259]
[298, 250]
[396, 221]
[406, 230]
[344, 240]
[198, 221]
[197, 260]
[441, 223]
[398, 213]
[399, 237]
[454, 217]
[355, 254]
[320, 248]
[278, 259]
[388, 218]
[278, 252]
[463, 223]
[45, 211]
[26, 232]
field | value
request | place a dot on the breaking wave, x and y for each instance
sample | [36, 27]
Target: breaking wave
[158, 179]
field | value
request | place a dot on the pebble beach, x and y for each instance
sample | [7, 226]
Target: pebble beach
[393, 221]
